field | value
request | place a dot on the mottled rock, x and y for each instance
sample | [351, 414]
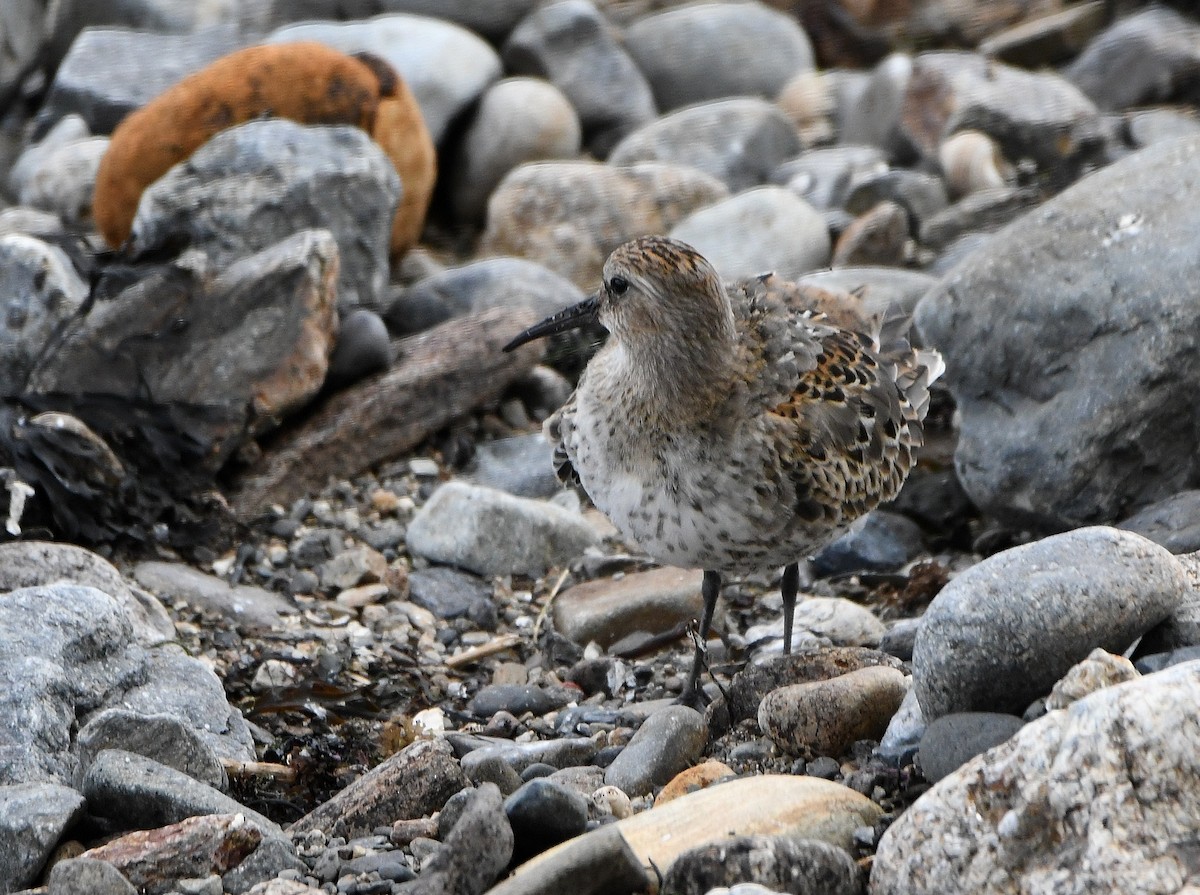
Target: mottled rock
[1089, 799]
[475, 853]
[952, 740]
[572, 45]
[518, 120]
[569, 216]
[739, 141]
[42, 291]
[492, 533]
[667, 742]
[707, 51]
[827, 717]
[1031, 324]
[195, 848]
[694, 778]
[782, 863]
[763, 230]
[412, 783]
[255, 184]
[1099, 670]
[1001, 633]
[33, 817]
[821, 621]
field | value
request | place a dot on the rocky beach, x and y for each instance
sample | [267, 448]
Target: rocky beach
[291, 599]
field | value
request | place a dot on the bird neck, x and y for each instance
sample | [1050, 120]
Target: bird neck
[688, 370]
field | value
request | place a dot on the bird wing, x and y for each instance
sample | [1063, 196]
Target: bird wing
[557, 429]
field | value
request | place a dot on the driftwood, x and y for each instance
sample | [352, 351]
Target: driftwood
[438, 376]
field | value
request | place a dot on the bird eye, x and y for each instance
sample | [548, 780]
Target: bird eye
[618, 285]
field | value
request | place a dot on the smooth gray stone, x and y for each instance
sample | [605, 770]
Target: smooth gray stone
[668, 741]
[952, 740]
[33, 817]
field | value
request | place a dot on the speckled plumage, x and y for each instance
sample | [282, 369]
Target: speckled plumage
[726, 428]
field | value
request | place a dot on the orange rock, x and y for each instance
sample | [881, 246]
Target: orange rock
[701, 776]
[306, 82]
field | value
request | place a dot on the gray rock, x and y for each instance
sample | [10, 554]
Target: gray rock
[1173, 522]
[707, 51]
[363, 347]
[76, 875]
[65, 180]
[110, 72]
[447, 593]
[825, 177]
[981, 211]
[668, 741]
[778, 863]
[419, 49]
[480, 286]
[820, 621]
[1089, 799]
[274, 856]
[252, 349]
[902, 738]
[139, 793]
[27, 26]
[37, 563]
[877, 542]
[873, 118]
[492, 533]
[952, 740]
[1156, 662]
[569, 216]
[253, 185]
[1001, 633]
[606, 610]
[899, 639]
[921, 195]
[518, 120]
[475, 852]
[30, 222]
[1150, 57]
[521, 465]
[1147, 126]
[493, 19]
[1180, 629]
[573, 46]
[498, 771]
[544, 813]
[33, 817]
[561, 753]
[517, 699]
[1040, 325]
[252, 609]
[41, 292]
[739, 141]
[758, 231]
[67, 130]
[163, 738]
[878, 236]
[1039, 115]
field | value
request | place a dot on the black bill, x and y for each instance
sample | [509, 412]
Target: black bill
[569, 318]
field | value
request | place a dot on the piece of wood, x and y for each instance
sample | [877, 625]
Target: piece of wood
[475, 653]
[438, 376]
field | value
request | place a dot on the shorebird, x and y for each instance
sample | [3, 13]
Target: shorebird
[721, 429]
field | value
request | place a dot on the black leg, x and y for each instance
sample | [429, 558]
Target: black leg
[710, 590]
[788, 590]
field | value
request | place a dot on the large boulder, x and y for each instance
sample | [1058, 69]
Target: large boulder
[1069, 341]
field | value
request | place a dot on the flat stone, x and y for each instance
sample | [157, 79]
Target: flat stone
[253, 609]
[88, 875]
[164, 738]
[33, 817]
[607, 610]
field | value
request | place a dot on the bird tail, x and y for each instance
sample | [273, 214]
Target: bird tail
[916, 370]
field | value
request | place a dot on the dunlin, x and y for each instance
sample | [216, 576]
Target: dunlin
[722, 429]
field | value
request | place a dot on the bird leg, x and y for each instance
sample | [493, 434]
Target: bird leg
[709, 590]
[788, 589]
